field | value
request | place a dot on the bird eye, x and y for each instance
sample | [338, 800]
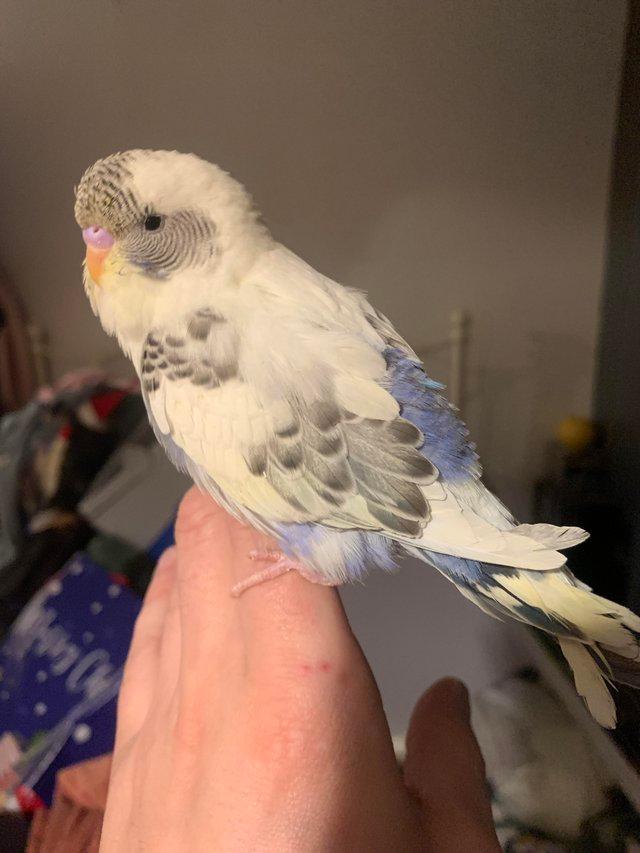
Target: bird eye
[152, 222]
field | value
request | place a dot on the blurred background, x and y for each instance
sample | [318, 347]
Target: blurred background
[472, 164]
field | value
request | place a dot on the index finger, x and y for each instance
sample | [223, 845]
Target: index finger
[285, 621]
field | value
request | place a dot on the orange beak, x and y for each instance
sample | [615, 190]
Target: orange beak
[95, 259]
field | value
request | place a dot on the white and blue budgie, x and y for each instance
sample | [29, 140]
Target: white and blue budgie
[300, 409]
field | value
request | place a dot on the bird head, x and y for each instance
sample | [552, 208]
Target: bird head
[154, 221]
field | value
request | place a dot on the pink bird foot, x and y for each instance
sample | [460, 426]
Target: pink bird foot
[279, 564]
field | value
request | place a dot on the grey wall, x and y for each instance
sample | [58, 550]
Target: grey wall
[439, 154]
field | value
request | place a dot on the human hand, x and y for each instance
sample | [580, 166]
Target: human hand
[254, 723]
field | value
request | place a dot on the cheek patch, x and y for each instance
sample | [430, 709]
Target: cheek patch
[185, 239]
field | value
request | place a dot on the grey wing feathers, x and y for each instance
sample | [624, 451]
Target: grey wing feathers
[327, 463]
[338, 456]
[194, 354]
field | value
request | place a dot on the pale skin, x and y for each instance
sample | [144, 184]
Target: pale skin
[254, 723]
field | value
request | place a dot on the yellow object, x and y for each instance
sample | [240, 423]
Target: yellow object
[95, 262]
[576, 434]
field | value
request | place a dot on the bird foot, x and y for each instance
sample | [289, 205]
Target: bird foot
[279, 564]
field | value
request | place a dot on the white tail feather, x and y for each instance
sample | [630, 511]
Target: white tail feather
[550, 536]
[590, 682]
[599, 639]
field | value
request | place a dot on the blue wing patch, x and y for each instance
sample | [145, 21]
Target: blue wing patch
[446, 442]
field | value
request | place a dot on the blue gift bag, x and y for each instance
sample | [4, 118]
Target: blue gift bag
[60, 671]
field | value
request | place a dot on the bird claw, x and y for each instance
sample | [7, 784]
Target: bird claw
[267, 555]
[277, 568]
[280, 564]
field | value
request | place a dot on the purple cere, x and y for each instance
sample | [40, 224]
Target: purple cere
[97, 238]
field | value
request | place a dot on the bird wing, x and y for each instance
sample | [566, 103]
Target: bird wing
[289, 451]
[287, 401]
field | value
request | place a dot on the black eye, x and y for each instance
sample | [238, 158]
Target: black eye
[152, 222]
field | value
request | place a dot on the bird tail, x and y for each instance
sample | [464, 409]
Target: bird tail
[599, 639]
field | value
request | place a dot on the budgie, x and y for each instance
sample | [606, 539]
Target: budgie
[303, 412]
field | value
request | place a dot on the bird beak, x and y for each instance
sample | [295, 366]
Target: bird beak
[95, 259]
[99, 244]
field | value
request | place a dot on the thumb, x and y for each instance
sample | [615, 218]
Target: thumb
[445, 770]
